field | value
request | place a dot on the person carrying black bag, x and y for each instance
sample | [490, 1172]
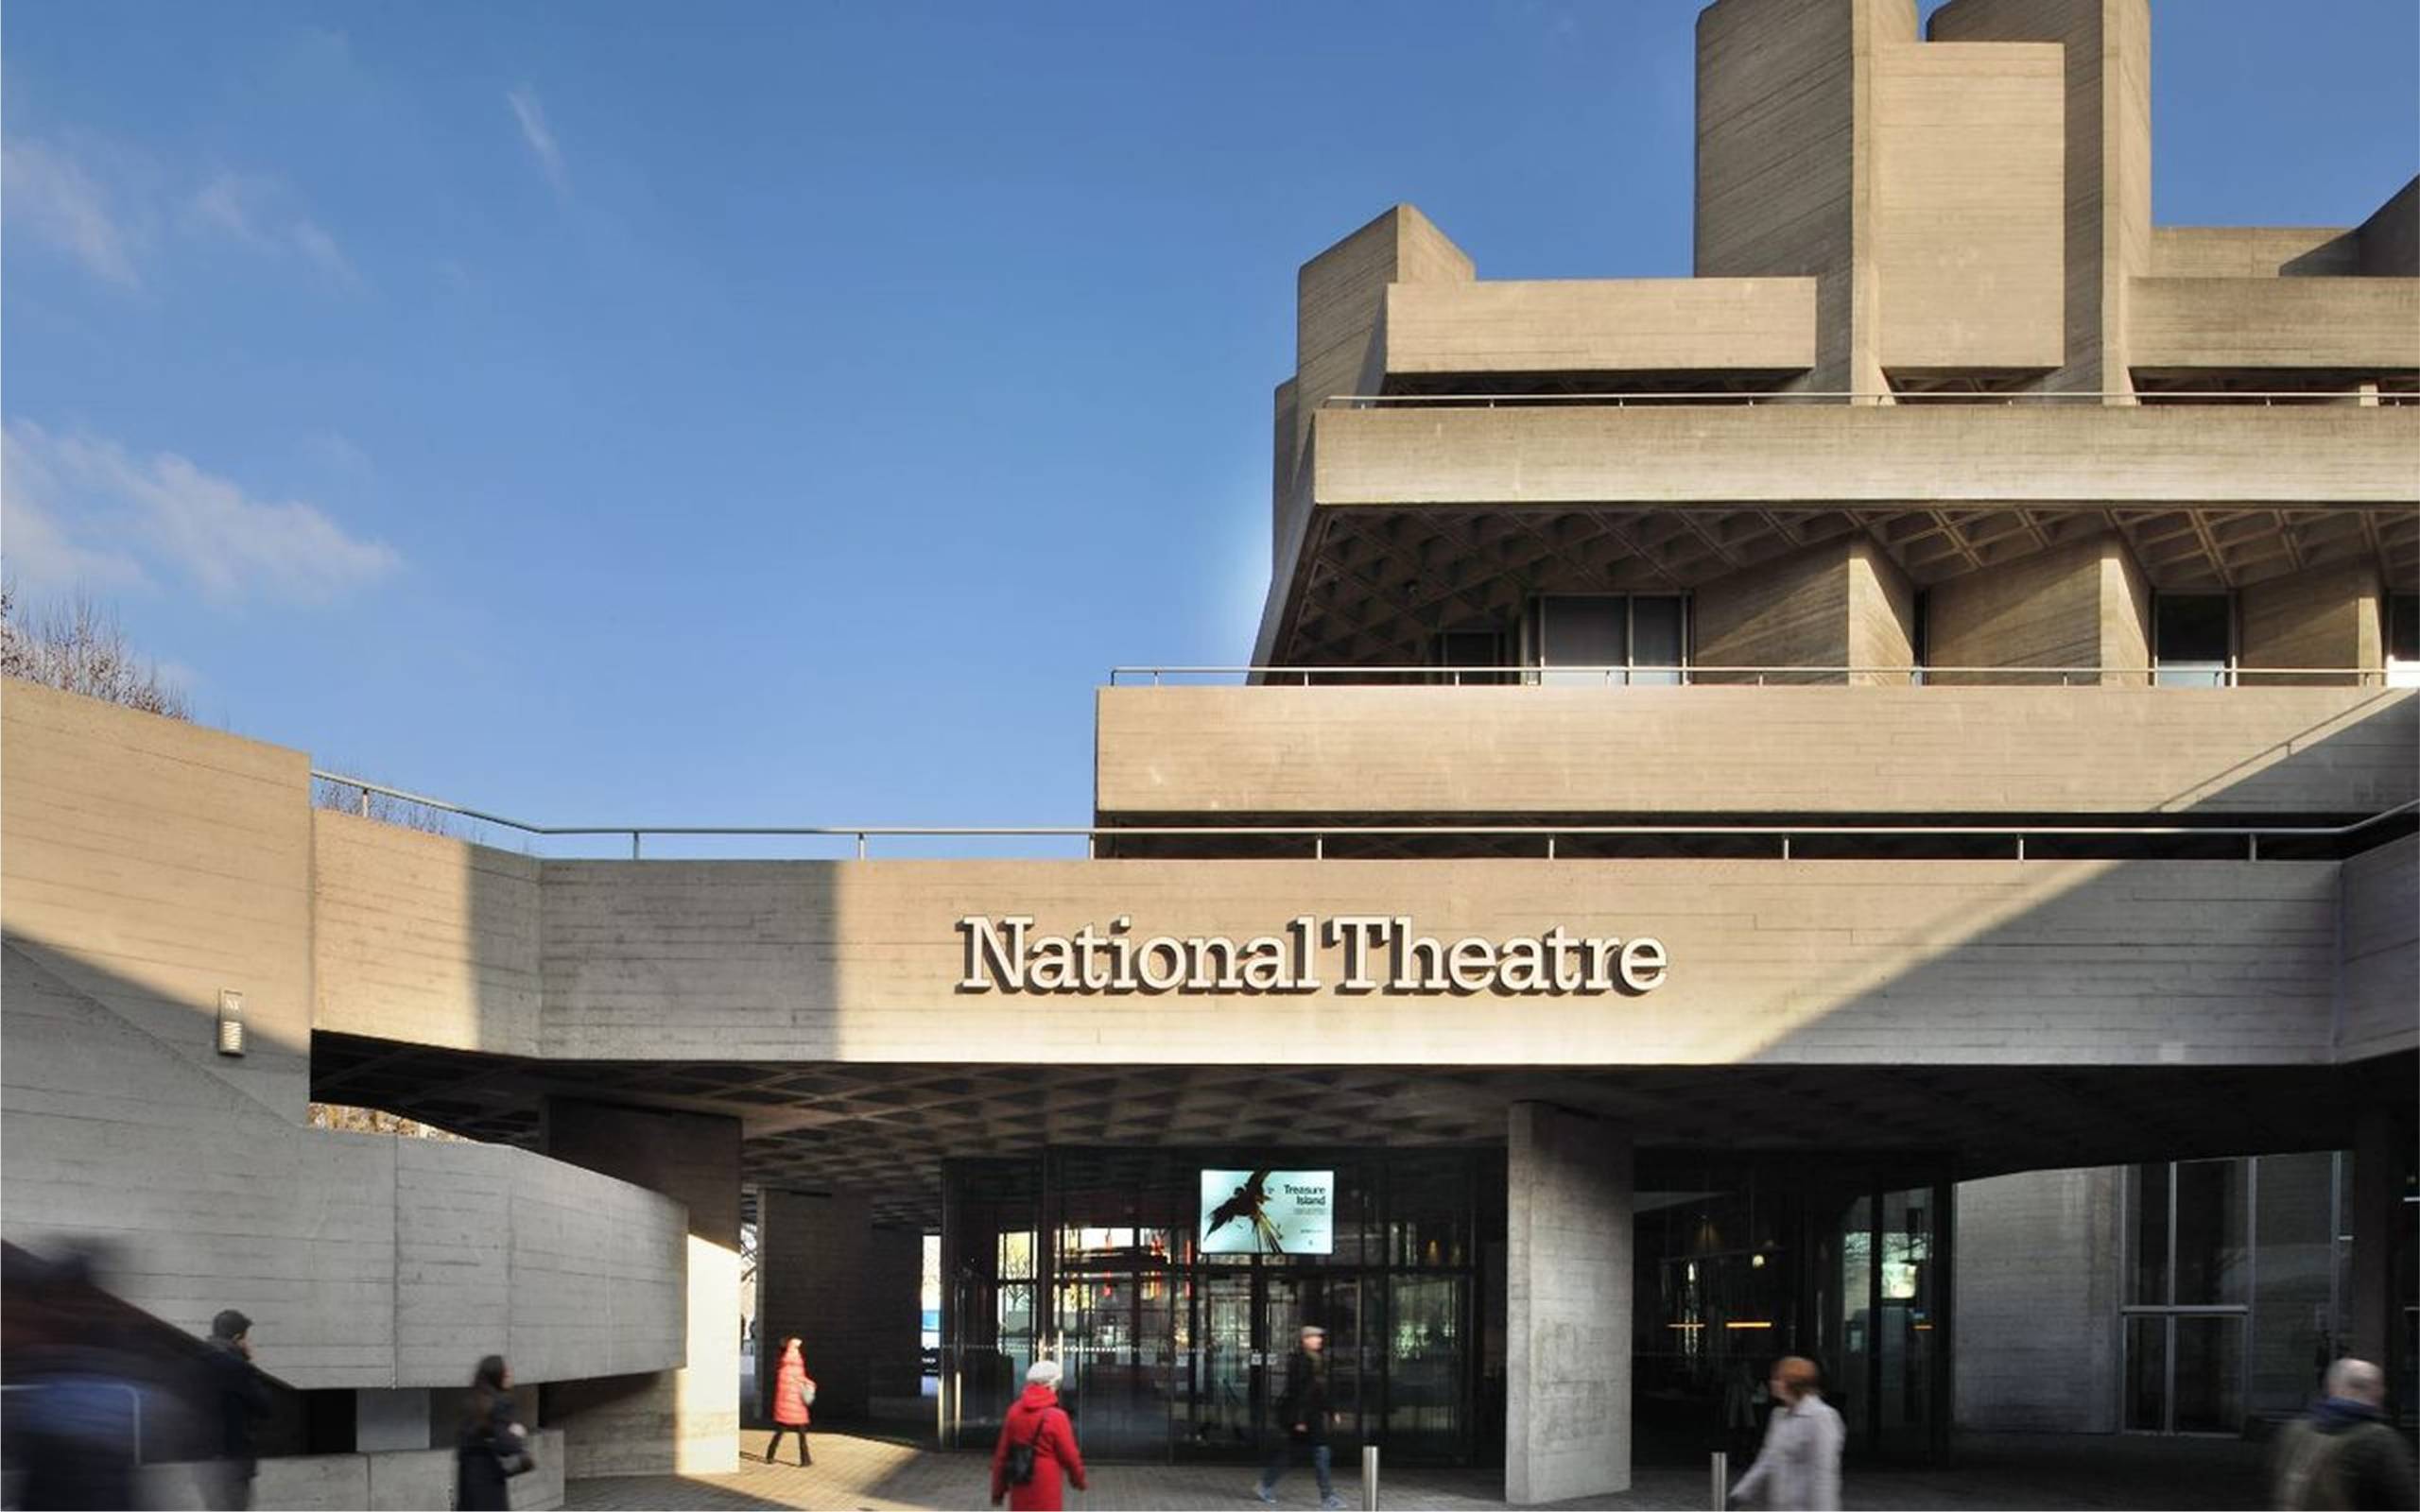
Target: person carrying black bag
[1036, 1456]
[492, 1445]
[1301, 1421]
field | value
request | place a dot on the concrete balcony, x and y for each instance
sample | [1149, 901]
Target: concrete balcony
[1747, 326]
[2267, 324]
[1783, 454]
[1564, 750]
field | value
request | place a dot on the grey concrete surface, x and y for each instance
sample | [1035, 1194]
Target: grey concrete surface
[1983, 1472]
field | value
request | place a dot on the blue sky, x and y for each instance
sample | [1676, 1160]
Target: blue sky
[787, 413]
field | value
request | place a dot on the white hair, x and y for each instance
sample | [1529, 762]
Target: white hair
[2357, 1380]
[1043, 1373]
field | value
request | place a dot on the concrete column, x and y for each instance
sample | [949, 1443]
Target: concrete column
[894, 1308]
[1567, 1297]
[813, 1255]
[2381, 1151]
[684, 1422]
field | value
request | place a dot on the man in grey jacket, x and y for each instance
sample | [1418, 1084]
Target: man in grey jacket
[1799, 1467]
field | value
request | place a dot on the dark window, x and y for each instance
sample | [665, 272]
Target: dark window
[1601, 639]
[2193, 642]
[2403, 627]
[1464, 656]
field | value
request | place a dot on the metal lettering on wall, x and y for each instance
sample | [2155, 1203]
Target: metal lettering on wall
[1367, 952]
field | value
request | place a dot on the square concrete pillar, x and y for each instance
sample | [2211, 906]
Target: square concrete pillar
[1842, 604]
[684, 1422]
[2383, 1153]
[2329, 616]
[850, 1291]
[2084, 605]
[1568, 1305]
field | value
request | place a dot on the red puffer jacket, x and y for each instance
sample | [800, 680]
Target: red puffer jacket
[1036, 1418]
[789, 1395]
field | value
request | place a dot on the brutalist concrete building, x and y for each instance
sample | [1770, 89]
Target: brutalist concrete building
[1858, 804]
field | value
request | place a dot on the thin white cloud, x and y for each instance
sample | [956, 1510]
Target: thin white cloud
[93, 513]
[540, 138]
[50, 195]
[258, 212]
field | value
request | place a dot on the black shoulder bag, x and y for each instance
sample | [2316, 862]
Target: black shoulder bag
[1021, 1455]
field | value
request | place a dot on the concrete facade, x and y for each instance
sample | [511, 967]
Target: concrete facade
[1917, 458]
[838, 963]
[149, 864]
[2038, 1268]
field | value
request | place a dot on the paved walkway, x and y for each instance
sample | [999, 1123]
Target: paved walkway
[1987, 1474]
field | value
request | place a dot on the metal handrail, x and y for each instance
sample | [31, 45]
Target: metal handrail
[1533, 676]
[2359, 399]
[1318, 833]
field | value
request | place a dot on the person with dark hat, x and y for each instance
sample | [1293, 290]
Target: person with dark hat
[237, 1399]
[1301, 1421]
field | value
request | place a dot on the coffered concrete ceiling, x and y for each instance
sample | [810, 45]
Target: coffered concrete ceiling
[1375, 584]
[883, 1130]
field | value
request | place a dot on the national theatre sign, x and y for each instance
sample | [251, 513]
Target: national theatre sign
[1368, 953]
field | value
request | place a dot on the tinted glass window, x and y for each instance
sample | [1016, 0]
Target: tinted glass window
[2192, 640]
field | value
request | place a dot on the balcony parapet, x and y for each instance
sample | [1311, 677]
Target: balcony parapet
[1270, 750]
[1785, 450]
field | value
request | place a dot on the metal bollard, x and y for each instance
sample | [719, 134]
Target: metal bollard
[1719, 1481]
[1369, 1478]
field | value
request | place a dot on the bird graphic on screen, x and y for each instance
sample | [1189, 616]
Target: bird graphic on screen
[1250, 1202]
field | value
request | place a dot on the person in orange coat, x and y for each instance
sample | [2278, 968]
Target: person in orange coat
[793, 1393]
[1037, 1422]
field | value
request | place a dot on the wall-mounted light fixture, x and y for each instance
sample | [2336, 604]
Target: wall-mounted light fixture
[231, 1022]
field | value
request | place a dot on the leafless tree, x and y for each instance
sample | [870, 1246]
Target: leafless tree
[77, 645]
[374, 1121]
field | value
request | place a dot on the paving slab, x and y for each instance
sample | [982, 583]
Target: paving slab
[1985, 1472]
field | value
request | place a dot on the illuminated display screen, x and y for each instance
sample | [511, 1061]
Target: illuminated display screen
[1268, 1212]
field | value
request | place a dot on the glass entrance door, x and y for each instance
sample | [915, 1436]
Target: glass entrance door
[1218, 1358]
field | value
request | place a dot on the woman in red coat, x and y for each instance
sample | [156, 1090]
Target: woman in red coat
[793, 1392]
[1036, 1421]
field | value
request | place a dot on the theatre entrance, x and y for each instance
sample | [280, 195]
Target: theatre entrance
[1742, 1261]
[1177, 1338]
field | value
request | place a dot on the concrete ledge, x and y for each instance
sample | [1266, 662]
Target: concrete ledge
[400, 1479]
[1601, 325]
[1346, 751]
[2363, 324]
[1806, 455]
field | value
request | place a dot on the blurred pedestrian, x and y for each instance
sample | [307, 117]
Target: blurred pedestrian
[2343, 1452]
[1037, 1447]
[73, 1412]
[493, 1446]
[234, 1398]
[1301, 1421]
[1799, 1467]
[793, 1394]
